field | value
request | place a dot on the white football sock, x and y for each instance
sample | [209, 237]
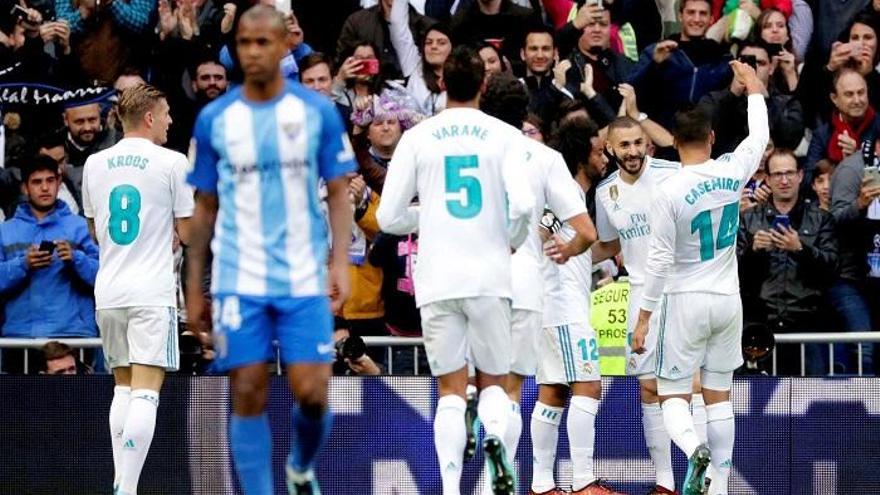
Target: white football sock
[659, 444]
[450, 437]
[513, 432]
[493, 410]
[722, 431]
[698, 411]
[680, 425]
[137, 437]
[581, 426]
[118, 413]
[511, 441]
[545, 434]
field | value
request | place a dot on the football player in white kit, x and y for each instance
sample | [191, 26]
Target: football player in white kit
[133, 193]
[691, 275]
[568, 350]
[506, 98]
[462, 164]
[623, 219]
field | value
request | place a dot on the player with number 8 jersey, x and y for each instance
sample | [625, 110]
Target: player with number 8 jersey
[133, 193]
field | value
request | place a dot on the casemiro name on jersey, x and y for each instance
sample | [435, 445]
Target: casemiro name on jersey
[718, 183]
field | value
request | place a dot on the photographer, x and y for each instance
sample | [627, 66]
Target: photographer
[351, 355]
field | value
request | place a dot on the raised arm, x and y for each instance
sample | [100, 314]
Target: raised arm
[402, 39]
[750, 151]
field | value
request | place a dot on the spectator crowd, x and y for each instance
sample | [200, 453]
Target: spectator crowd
[381, 63]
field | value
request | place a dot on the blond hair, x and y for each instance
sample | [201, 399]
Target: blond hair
[135, 102]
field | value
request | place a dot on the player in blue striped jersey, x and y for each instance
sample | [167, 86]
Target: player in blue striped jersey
[257, 154]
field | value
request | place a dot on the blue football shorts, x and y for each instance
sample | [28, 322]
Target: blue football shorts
[246, 326]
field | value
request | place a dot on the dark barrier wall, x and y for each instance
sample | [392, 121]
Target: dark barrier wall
[794, 436]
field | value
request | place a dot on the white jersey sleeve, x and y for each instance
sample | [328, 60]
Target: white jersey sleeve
[562, 192]
[181, 192]
[88, 207]
[521, 201]
[747, 156]
[661, 249]
[394, 215]
[606, 231]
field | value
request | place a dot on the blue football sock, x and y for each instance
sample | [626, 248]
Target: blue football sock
[309, 435]
[251, 445]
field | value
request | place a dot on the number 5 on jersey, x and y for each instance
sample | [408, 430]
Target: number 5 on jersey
[466, 187]
[125, 209]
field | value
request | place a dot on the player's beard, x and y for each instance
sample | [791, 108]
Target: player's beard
[623, 163]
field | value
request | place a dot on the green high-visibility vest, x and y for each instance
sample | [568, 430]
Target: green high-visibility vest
[608, 314]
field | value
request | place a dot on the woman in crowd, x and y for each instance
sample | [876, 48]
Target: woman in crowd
[423, 67]
[771, 29]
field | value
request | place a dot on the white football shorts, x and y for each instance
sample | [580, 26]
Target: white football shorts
[140, 335]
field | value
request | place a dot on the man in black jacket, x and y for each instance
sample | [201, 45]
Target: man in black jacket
[788, 259]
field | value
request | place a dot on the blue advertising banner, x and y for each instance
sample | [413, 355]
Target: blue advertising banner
[796, 436]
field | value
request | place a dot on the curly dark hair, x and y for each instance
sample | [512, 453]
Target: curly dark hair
[505, 99]
[572, 139]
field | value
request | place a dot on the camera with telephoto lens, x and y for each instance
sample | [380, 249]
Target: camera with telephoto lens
[351, 348]
[191, 354]
[757, 345]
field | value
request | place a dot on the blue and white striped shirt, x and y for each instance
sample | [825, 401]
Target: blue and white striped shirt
[263, 160]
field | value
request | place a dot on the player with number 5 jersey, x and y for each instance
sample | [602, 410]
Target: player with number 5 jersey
[692, 255]
[133, 193]
[468, 171]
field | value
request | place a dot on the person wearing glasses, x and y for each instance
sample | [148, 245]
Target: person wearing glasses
[788, 255]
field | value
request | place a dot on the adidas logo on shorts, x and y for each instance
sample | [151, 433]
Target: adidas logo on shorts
[129, 444]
